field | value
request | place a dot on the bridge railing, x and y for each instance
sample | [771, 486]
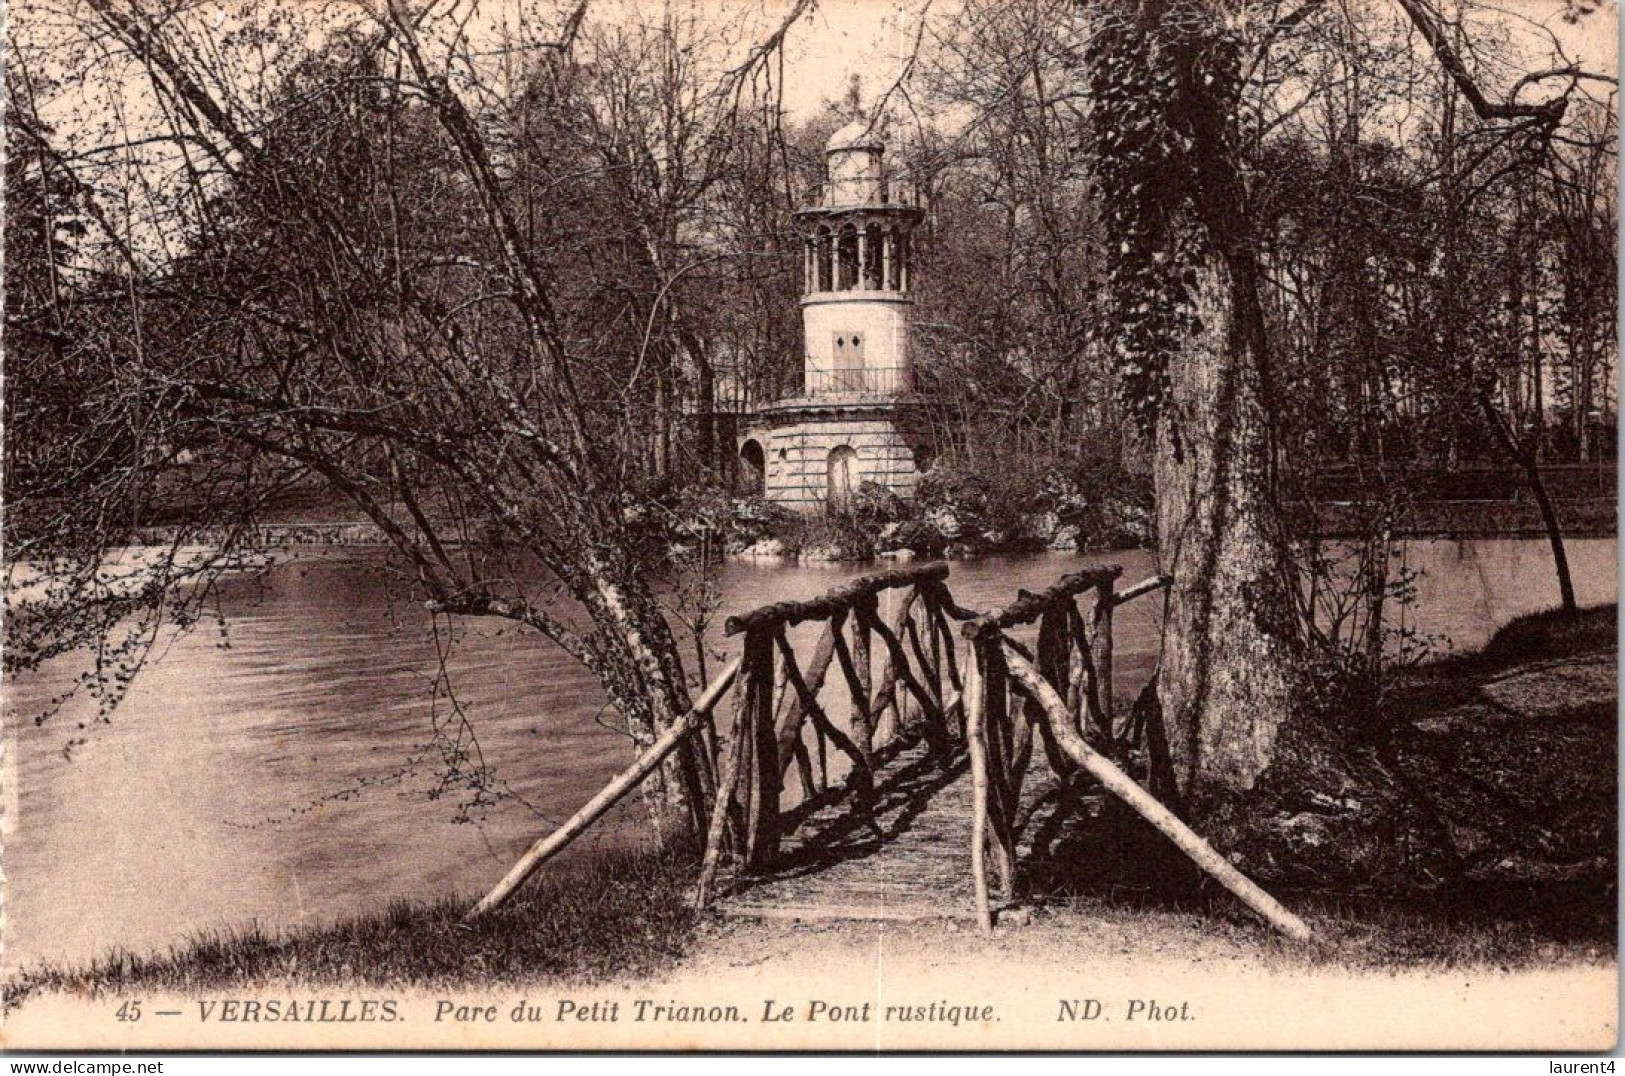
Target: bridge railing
[918, 693]
[1062, 688]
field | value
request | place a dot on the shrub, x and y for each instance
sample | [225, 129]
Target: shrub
[975, 509]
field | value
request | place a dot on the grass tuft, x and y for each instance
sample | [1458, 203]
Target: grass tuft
[617, 915]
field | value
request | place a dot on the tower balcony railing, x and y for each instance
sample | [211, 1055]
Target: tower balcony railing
[868, 381]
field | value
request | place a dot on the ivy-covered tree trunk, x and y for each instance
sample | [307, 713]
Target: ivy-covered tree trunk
[1189, 333]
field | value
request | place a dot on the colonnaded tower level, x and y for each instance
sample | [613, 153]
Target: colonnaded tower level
[856, 418]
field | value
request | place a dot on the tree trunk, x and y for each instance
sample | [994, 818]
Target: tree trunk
[1554, 532]
[1229, 675]
[640, 668]
[1522, 453]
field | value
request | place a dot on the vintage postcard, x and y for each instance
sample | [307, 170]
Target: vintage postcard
[1061, 525]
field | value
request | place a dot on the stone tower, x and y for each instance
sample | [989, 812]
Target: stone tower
[855, 419]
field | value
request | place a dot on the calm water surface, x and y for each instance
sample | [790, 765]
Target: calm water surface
[293, 778]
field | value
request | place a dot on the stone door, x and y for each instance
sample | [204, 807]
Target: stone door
[843, 477]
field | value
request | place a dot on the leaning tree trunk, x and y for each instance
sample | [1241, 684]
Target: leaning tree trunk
[1554, 531]
[637, 661]
[1229, 675]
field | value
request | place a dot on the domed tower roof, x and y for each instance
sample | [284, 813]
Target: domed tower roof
[858, 133]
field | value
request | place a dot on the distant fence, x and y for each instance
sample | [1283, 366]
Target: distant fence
[1564, 482]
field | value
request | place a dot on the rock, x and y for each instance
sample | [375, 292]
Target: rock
[1332, 804]
[918, 536]
[767, 548]
[833, 553]
[1305, 828]
[1016, 917]
[945, 522]
[1064, 538]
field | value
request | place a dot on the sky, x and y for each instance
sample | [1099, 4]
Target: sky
[870, 38]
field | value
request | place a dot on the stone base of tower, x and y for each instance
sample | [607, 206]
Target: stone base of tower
[809, 456]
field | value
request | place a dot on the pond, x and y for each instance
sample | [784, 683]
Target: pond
[295, 777]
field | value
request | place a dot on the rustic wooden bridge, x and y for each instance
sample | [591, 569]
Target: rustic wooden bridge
[898, 766]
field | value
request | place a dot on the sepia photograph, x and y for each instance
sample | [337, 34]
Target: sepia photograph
[810, 526]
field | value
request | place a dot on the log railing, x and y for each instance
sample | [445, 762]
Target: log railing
[778, 702]
[554, 843]
[1062, 688]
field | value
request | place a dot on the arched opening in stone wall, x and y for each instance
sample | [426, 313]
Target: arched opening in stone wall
[843, 477]
[847, 259]
[752, 469]
[874, 262]
[897, 270]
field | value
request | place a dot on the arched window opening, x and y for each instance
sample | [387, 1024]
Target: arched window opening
[898, 270]
[874, 262]
[823, 258]
[847, 262]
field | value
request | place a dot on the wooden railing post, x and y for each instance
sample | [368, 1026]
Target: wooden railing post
[863, 659]
[861, 736]
[762, 839]
[1087, 705]
[976, 746]
[1052, 652]
[732, 776]
[1102, 656]
[1003, 755]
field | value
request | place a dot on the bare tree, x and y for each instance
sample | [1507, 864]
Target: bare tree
[395, 264]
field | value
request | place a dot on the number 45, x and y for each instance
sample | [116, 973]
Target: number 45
[129, 1012]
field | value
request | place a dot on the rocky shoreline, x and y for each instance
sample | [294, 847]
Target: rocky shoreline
[751, 528]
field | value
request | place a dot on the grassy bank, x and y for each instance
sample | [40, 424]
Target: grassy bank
[624, 915]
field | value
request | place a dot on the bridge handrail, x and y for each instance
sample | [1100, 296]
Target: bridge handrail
[775, 697]
[1028, 606]
[555, 842]
[1144, 586]
[1126, 789]
[841, 599]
